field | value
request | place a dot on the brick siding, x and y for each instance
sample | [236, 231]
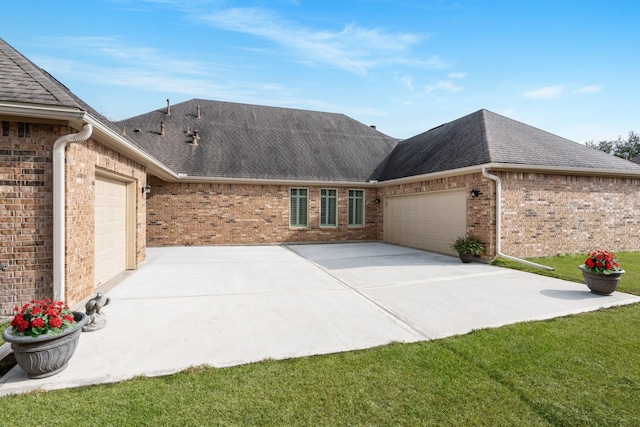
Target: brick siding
[26, 216]
[83, 160]
[546, 215]
[209, 214]
[26, 209]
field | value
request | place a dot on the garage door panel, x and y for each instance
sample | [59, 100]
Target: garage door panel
[110, 229]
[429, 221]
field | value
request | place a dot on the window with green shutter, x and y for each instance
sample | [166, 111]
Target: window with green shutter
[328, 207]
[356, 208]
[298, 198]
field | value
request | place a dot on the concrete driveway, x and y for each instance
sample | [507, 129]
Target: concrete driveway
[229, 305]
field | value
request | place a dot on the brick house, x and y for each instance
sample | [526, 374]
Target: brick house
[83, 197]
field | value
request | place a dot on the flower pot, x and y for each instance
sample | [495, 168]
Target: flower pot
[46, 355]
[601, 284]
[466, 257]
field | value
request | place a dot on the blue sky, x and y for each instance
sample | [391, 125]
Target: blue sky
[569, 67]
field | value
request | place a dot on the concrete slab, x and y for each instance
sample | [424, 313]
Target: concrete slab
[224, 306]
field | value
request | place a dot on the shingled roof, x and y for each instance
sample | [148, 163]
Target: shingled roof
[484, 137]
[256, 142]
[23, 81]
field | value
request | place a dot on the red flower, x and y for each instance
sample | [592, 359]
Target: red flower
[55, 322]
[41, 317]
[19, 323]
[604, 262]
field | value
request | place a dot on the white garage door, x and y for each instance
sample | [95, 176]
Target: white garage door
[111, 229]
[429, 221]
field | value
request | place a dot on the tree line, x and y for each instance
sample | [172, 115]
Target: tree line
[626, 148]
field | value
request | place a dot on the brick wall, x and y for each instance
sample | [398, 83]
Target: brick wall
[209, 214]
[82, 161]
[546, 215]
[26, 209]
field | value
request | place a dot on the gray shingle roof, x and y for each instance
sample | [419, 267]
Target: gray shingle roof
[257, 142]
[485, 137]
[23, 81]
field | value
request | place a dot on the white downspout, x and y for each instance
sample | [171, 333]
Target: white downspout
[59, 217]
[498, 223]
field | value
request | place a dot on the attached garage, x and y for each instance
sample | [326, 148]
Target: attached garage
[429, 221]
[112, 236]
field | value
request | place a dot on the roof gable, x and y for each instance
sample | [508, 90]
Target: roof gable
[484, 137]
[256, 142]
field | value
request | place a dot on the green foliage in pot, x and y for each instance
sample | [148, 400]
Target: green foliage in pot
[469, 244]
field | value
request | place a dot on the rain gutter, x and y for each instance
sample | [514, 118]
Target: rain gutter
[499, 224]
[59, 214]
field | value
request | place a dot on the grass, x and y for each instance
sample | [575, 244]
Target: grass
[581, 370]
[3, 326]
[566, 267]
[575, 371]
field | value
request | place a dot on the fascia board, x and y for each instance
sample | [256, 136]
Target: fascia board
[506, 167]
[257, 181]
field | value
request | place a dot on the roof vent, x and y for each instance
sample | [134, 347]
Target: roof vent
[196, 137]
[198, 115]
[168, 108]
[137, 130]
[373, 126]
[161, 128]
[124, 130]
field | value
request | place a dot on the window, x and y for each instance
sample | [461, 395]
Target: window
[298, 210]
[24, 129]
[356, 208]
[328, 208]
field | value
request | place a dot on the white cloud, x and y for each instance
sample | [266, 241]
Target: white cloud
[408, 82]
[546, 92]
[589, 89]
[457, 75]
[352, 48]
[446, 85]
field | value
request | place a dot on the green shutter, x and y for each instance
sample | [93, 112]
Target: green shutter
[298, 210]
[328, 204]
[356, 208]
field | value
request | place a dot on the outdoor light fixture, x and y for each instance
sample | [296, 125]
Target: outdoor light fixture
[146, 189]
[475, 193]
[377, 200]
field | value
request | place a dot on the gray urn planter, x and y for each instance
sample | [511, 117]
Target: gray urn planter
[466, 257]
[46, 355]
[601, 284]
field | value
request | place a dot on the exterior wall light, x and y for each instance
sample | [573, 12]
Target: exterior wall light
[475, 193]
[146, 189]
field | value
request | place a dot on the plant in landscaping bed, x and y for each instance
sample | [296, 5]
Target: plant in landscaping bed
[602, 262]
[41, 317]
[468, 245]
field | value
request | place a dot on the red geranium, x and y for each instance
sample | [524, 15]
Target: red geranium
[40, 317]
[604, 262]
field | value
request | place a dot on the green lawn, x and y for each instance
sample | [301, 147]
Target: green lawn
[581, 370]
[566, 267]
